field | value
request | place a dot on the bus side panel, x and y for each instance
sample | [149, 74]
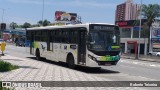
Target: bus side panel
[55, 55]
[68, 48]
[64, 51]
[42, 46]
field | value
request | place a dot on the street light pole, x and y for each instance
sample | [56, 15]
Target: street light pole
[43, 11]
[140, 22]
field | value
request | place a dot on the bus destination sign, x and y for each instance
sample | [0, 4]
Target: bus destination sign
[102, 27]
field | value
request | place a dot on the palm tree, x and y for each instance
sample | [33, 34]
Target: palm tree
[150, 12]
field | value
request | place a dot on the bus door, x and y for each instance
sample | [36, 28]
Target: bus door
[49, 45]
[82, 45]
[57, 45]
[32, 43]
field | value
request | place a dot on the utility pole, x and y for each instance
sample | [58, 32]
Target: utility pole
[140, 25]
[43, 12]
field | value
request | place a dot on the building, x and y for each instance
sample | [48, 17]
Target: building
[130, 36]
[127, 11]
[127, 19]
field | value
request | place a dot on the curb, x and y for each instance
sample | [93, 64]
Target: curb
[142, 59]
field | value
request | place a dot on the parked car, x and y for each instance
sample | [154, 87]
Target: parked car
[154, 53]
[20, 43]
[158, 54]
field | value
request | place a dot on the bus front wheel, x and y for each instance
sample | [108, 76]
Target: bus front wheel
[70, 61]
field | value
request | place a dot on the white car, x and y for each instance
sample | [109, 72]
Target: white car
[153, 53]
[158, 54]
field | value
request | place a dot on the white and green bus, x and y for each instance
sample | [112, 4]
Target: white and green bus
[92, 45]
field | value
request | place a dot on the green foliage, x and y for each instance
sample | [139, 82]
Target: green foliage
[151, 12]
[5, 66]
[44, 23]
[26, 25]
[13, 25]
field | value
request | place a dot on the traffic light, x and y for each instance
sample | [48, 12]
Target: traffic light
[3, 26]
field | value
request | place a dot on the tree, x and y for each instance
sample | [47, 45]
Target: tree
[26, 25]
[150, 12]
[13, 25]
[40, 23]
[44, 23]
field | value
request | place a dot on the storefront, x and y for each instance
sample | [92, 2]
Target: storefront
[130, 37]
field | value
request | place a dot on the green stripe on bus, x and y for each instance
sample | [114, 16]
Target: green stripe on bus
[109, 58]
[115, 46]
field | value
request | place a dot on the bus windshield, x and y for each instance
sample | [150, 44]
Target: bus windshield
[102, 40]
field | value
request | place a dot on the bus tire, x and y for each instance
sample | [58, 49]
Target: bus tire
[38, 54]
[70, 61]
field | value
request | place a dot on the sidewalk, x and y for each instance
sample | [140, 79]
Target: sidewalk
[33, 70]
[142, 57]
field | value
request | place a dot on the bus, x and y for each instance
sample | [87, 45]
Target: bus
[91, 45]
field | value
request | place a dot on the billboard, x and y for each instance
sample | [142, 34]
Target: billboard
[155, 39]
[156, 32]
[63, 16]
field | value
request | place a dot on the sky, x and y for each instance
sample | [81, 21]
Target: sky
[91, 11]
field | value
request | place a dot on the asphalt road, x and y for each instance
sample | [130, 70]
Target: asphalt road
[125, 70]
[141, 69]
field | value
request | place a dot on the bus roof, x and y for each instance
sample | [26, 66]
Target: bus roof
[65, 26]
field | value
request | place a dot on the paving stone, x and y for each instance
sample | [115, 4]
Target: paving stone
[32, 70]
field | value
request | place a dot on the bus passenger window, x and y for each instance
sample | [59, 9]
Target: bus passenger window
[73, 36]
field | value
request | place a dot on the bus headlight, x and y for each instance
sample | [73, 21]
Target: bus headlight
[91, 57]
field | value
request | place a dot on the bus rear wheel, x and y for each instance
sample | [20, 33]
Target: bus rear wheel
[70, 61]
[38, 54]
